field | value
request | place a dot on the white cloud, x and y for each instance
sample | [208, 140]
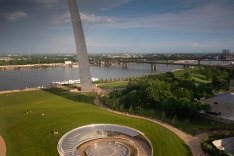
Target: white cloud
[103, 5]
[94, 19]
[194, 44]
[15, 16]
[209, 17]
[86, 18]
[62, 19]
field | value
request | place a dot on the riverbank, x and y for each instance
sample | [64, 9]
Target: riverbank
[2, 147]
[13, 67]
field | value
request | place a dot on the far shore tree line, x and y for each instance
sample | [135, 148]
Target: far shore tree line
[37, 59]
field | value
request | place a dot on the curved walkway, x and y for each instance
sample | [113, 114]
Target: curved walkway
[18, 90]
[2, 147]
[192, 142]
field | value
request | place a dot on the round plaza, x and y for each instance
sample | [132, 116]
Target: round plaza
[104, 140]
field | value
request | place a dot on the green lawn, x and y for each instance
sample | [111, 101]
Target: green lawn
[179, 73]
[111, 85]
[196, 77]
[200, 78]
[28, 135]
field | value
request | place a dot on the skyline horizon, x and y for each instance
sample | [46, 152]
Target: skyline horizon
[112, 53]
[153, 26]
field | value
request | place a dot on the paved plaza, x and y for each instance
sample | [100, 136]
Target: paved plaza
[104, 140]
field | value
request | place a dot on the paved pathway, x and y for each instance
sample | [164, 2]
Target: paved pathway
[192, 142]
[2, 147]
[18, 90]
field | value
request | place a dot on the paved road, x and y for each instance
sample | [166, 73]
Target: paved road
[192, 142]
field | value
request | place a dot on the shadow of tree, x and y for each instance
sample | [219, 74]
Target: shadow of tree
[77, 97]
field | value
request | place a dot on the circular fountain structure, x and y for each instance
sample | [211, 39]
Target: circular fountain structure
[104, 140]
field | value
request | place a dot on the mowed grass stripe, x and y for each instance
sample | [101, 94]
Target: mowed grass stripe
[27, 135]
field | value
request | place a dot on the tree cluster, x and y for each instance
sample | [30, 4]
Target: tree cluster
[38, 59]
[175, 96]
[219, 76]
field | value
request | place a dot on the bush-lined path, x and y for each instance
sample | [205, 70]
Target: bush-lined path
[192, 142]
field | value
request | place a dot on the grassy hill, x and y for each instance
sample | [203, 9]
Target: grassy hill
[30, 134]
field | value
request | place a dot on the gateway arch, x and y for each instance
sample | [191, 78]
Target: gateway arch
[83, 60]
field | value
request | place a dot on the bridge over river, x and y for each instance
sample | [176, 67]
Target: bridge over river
[185, 60]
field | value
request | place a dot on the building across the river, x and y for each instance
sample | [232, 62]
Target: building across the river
[226, 55]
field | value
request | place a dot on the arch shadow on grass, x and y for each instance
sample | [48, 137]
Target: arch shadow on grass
[77, 97]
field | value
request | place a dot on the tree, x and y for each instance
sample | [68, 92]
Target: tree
[174, 119]
[121, 108]
[186, 108]
[187, 76]
[157, 92]
[220, 83]
[130, 109]
[169, 106]
[182, 93]
[170, 75]
[208, 73]
[132, 99]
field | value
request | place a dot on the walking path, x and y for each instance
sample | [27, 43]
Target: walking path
[2, 147]
[18, 90]
[192, 142]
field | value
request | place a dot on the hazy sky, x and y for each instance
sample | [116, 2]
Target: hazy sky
[44, 26]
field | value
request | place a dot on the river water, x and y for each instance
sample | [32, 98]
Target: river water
[30, 78]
